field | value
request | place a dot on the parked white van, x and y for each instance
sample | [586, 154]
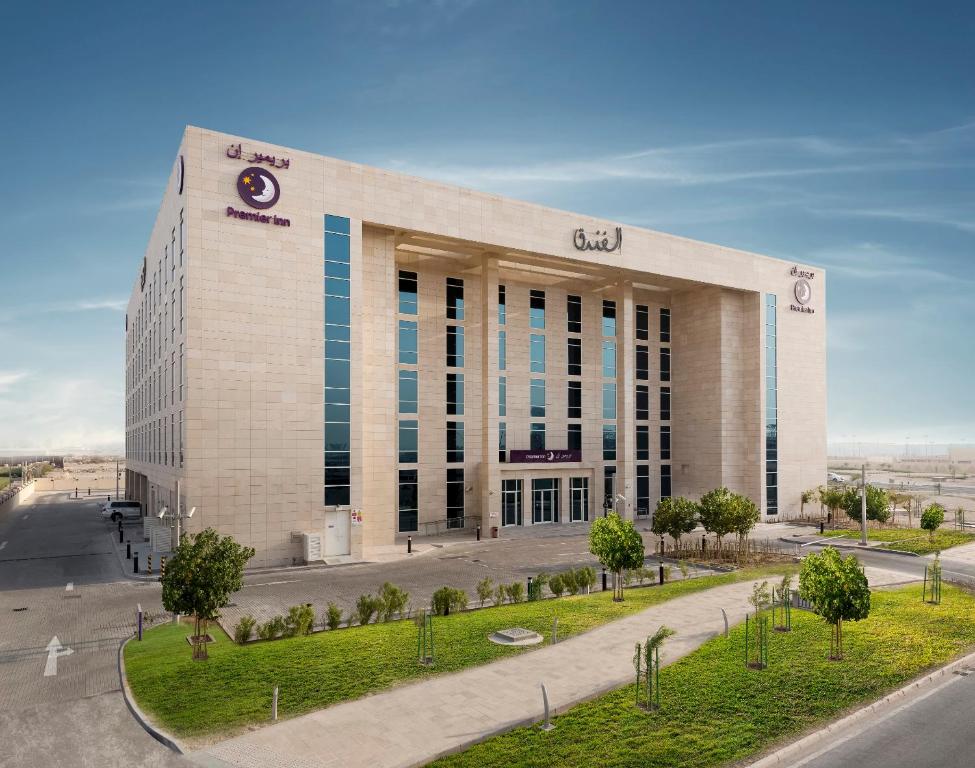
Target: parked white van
[122, 509]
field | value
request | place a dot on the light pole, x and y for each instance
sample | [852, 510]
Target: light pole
[116, 478]
[863, 506]
[176, 517]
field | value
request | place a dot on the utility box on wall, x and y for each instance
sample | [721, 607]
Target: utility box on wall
[312, 547]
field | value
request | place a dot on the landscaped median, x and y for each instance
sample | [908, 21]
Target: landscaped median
[234, 687]
[909, 539]
[715, 710]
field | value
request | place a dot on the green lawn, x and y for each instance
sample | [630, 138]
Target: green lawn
[233, 689]
[910, 539]
[714, 710]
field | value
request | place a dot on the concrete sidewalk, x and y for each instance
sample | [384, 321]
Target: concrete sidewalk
[413, 724]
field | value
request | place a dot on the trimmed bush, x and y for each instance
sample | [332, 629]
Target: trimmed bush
[570, 582]
[299, 621]
[516, 592]
[393, 601]
[271, 629]
[333, 616]
[586, 578]
[366, 607]
[485, 590]
[448, 599]
[557, 585]
[244, 628]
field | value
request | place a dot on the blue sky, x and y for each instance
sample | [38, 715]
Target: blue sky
[837, 134]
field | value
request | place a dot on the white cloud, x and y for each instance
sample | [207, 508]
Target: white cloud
[9, 378]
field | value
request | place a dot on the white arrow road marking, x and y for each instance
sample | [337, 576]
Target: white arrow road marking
[54, 650]
[25, 517]
[70, 587]
[3, 545]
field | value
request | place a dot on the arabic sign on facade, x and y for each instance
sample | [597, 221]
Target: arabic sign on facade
[802, 290]
[234, 151]
[544, 457]
[598, 242]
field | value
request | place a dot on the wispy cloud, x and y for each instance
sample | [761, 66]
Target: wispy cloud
[27, 311]
[9, 378]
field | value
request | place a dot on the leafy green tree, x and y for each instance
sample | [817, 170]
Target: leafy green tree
[674, 517]
[716, 512]
[617, 544]
[485, 589]
[878, 507]
[932, 517]
[832, 499]
[204, 571]
[804, 498]
[743, 516]
[838, 590]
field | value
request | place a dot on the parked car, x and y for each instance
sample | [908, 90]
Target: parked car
[122, 509]
[832, 477]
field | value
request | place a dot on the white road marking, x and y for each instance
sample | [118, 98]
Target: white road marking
[273, 583]
[70, 587]
[25, 517]
[3, 545]
[54, 650]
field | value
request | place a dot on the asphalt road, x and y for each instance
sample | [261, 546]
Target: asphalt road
[59, 577]
[935, 731]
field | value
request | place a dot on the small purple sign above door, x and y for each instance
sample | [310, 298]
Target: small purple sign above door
[544, 457]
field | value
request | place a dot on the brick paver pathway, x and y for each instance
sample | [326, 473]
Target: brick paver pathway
[413, 724]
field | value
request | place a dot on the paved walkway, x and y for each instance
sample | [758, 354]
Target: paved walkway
[413, 724]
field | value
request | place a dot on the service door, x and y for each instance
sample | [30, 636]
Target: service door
[337, 532]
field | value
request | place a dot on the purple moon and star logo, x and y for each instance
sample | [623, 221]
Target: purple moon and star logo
[258, 188]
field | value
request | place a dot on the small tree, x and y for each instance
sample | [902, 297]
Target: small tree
[333, 616]
[485, 589]
[204, 571]
[556, 585]
[832, 499]
[587, 578]
[804, 498]
[743, 516]
[837, 590]
[393, 601]
[244, 628]
[674, 516]
[366, 607]
[617, 544]
[932, 517]
[715, 512]
[651, 664]
[299, 621]
[877, 505]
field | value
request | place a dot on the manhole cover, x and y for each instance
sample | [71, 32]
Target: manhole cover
[515, 636]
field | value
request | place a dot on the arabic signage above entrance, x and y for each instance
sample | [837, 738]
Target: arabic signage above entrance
[544, 457]
[599, 241]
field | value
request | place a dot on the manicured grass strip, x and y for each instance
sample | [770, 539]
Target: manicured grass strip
[234, 687]
[911, 539]
[715, 710]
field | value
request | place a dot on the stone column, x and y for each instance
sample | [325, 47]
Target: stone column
[625, 399]
[490, 473]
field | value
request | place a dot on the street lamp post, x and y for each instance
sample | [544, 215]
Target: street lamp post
[863, 506]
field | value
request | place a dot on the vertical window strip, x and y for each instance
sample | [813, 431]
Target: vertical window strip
[337, 395]
[771, 408]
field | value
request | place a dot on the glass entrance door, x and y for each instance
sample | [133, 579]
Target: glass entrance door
[545, 501]
[511, 502]
[579, 499]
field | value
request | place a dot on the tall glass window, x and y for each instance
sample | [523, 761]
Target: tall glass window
[665, 325]
[502, 396]
[407, 392]
[609, 442]
[665, 442]
[407, 292]
[665, 487]
[642, 442]
[609, 359]
[408, 500]
[537, 437]
[574, 351]
[609, 318]
[455, 498]
[455, 346]
[771, 409]
[538, 398]
[575, 400]
[642, 490]
[575, 437]
[338, 333]
[455, 298]
[502, 442]
[665, 403]
[664, 364]
[455, 441]
[502, 350]
[407, 342]
[536, 311]
[502, 309]
[455, 394]
[408, 441]
[536, 348]
[642, 322]
[642, 362]
[609, 400]
[642, 402]
[574, 314]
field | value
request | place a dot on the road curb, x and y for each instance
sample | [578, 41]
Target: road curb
[806, 746]
[159, 735]
[126, 572]
[857, 547]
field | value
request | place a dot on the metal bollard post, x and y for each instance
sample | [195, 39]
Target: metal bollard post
[135, 563]
[822, 527]
[604, 579]
[409, 545]
[530, 587]
[274, 705]
[149, 563]
[704, 544]
[478, 533]
[661, 573]
[89, 491]
[128, 550]
[547, 725]
[162, 566]
[139, 619]
[119, 531]
[76, 491]
[108, 498]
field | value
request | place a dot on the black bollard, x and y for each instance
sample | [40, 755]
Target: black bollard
[89, 491]
[604, 579]
[529, 587]
[704, 544]
[478, 533]
[135, 563]
[822, 527]
[119, 531]
[409, 545]
[108, 498]
[76, 491]
[128, 550]
[661, 573]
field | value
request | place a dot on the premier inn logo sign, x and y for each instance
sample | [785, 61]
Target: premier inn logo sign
[259, 189]
[802, 290]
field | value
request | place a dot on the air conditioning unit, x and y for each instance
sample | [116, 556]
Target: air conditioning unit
[313, 546]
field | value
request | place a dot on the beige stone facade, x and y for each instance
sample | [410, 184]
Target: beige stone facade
[226, 387]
